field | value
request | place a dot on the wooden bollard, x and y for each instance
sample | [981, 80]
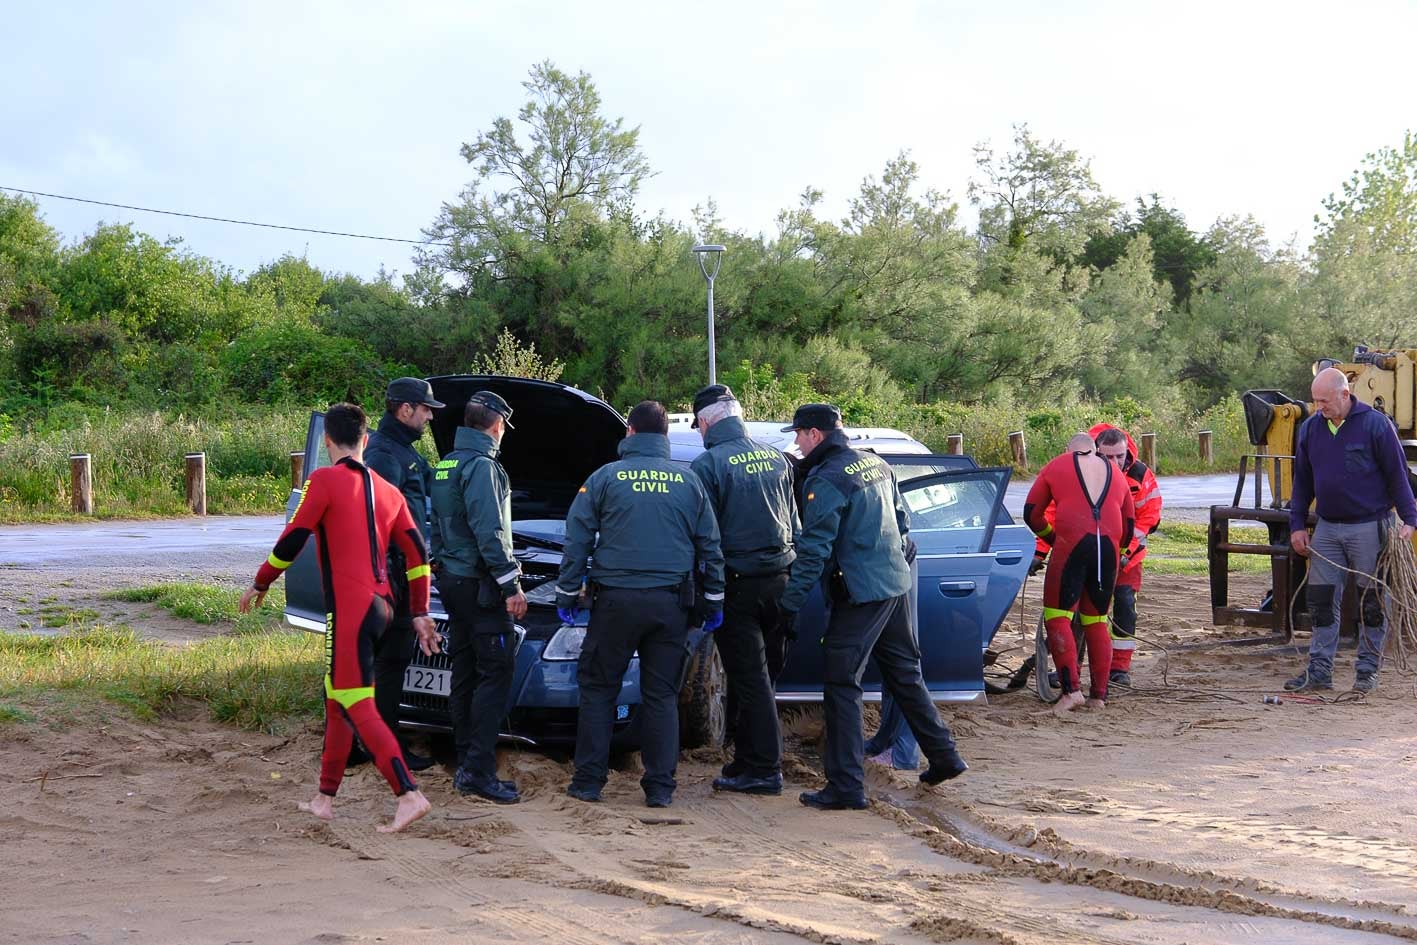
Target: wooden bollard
[297, 469]
[81, 484]
[196, 468]
[1148, 450]
[1206, 452]
[1020, 449]
[954, 444]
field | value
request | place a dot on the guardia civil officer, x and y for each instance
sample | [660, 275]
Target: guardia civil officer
[648, 529]
[749, 485]
[478, 583]
[408, 406]
[854, 527]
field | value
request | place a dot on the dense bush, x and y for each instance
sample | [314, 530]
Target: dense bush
[290, 363]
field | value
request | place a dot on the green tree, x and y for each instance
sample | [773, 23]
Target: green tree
[292, 286]
[1125, 308]
[1365, 254]
[153, 291]
[1244, 328]
[1040, 195]
[1178, 254]
[575, 165]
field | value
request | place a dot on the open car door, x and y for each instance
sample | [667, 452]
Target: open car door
[304, 589]
[969, 567]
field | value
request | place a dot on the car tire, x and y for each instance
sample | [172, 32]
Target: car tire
[703, 709]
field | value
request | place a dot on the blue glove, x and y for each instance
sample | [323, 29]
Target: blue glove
[568, 615]
[713, 621]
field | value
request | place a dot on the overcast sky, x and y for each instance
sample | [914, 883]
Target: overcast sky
[349, 116]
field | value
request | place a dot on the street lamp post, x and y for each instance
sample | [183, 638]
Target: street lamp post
[703, 250]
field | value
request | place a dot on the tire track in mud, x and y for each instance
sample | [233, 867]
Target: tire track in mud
[991, 925]
[1370, 854]
[740, 818]
[967, 823]
[945, 836]
[514, 921]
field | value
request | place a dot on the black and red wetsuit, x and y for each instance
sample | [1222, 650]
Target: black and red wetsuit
[354, 515]
[1085, 534]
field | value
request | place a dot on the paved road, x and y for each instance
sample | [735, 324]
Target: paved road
[1178, 492]
[169, 541]
[175, 541]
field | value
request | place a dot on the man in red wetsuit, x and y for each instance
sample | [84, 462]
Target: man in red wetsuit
[1116, 446]
[355, 516]
[1093, 517]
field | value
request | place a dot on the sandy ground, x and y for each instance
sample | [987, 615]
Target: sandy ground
[1188, 814]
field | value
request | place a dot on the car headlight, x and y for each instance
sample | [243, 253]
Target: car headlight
[565, 644]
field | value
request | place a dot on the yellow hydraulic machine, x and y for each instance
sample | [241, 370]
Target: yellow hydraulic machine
[1382, 379]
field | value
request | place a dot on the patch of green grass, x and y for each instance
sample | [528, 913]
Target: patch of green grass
[61, 616]
[25, 611]
[1180, 548]
[10, 714]
[256, 682]
[206, 603]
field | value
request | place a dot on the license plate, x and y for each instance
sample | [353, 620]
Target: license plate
[437, 682]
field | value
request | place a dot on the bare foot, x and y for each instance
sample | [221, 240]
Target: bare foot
[1095, 704]
[1069, 702]
[323, 807]
[412, 805]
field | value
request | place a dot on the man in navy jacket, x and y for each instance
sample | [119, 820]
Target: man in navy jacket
[1350, 464]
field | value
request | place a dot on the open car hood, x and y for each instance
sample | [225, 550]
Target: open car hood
[562, 435]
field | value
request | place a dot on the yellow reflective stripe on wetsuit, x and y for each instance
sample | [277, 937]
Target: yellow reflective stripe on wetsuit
[346, 697]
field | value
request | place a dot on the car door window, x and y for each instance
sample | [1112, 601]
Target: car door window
[316, 455]
[957, 501]
[910, 466]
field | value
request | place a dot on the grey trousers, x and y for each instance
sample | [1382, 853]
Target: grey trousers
[1354, 546]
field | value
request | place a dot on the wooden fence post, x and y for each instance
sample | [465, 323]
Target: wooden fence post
[1206, 452]
[196, 469]
[297, 469]
[1020, 449]
[81, 484]
[955, 444]
[1148, 450]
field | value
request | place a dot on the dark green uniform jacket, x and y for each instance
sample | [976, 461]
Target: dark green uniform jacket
[854, 522]
[654, 523]
[749, 485]
[390, 453]
[472, 513]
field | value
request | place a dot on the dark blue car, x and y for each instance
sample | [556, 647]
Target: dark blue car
[971, 564]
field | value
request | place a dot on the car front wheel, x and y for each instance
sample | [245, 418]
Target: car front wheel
[703, 702]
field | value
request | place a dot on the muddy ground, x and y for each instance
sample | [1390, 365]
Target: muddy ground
[1187, 812]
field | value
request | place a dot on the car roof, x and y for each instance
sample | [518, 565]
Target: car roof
[686, 443]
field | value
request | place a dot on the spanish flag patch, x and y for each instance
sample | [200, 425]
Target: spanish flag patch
[811, 496]
[582, 488]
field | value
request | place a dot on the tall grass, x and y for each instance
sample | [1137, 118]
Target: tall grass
[137, 462]
[259, 682]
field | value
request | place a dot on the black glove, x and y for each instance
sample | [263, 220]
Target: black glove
[1037, 564]
[787, 624]
[706, 612]
[910, 551]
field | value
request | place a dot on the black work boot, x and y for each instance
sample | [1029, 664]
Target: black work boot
[1308, 681]
[492, 789]
[746, 783]
[828, 799]
[947, 766]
